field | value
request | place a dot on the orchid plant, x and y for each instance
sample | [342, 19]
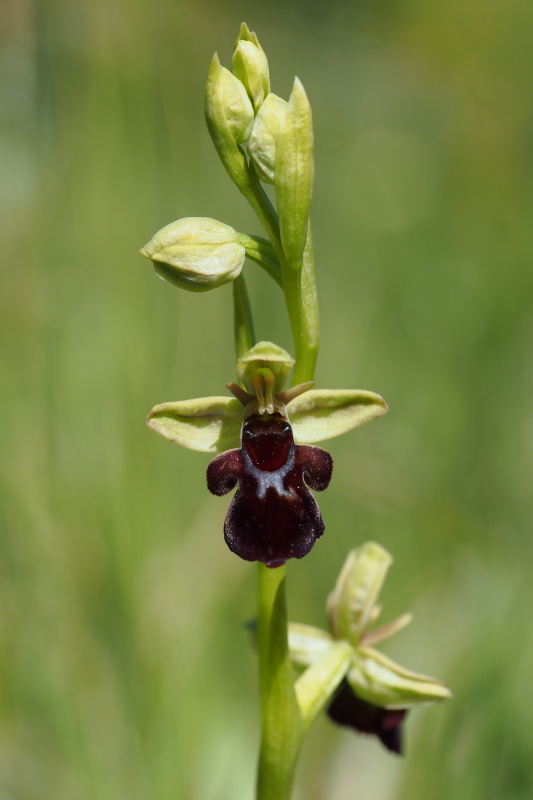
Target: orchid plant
[265, 429]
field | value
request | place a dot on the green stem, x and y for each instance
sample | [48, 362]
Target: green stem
[264, 210]
[282, 727]
[242, 314]
[261, 251]
[298, 285]
[302, 306]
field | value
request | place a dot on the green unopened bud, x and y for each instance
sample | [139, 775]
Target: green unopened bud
[250, 65]
[265, 356]
[229, 115]
[196, 253]
[264, 137]
[294, 172]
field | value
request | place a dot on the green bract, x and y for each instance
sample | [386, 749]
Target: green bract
[229, 115]
[250, 65]
[352, 608]
[263, 140]
[294, 171]
[196, 253]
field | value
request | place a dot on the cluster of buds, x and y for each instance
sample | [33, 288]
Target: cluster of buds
[199, 253]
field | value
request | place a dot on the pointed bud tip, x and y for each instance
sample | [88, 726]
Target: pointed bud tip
[215, 62]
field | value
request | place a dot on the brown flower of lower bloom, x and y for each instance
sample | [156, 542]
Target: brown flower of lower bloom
[350, 711]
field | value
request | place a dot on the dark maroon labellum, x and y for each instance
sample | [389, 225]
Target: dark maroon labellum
[273, 515]
[349, 710]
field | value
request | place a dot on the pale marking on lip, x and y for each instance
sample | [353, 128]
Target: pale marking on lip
[270, 479]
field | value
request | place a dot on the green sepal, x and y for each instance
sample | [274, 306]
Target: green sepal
[316, 686]
[206, 424]
[379, 680]
[324, 413]
[308, 644]
[229, 116]
[262, 145]
[293, 175]
[351, 602]
[265, 355]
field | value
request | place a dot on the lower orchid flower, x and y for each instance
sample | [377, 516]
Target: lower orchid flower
[372, 694]
[273, 515]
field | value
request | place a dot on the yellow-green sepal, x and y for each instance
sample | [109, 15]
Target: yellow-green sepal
[308, 644]
[351, 602]
[316, 686]
[206, 424]
[324, 413]
[379, 680]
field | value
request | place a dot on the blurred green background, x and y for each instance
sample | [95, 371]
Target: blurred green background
[125, 671]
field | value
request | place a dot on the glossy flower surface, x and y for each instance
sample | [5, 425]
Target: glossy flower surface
[273, 515]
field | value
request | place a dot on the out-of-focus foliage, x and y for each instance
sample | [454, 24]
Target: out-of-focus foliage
[124, 668]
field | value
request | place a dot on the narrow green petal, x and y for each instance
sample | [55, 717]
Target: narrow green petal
[377, 679]
[308, 644]
[350, 604]
[373, 637]
[324, 413]
[206, 424]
